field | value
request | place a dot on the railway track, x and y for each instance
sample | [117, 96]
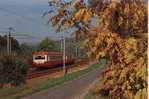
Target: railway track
[34, 73]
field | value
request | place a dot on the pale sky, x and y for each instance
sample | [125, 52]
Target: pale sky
[25, 17]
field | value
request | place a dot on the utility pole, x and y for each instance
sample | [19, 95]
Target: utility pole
[8, 43]
[9, 40]
[9, 36]
[61, 46]
[76, 51]
[64, 55]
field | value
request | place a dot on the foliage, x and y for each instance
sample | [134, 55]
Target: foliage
[12, 70]
[42, 84]
[3, 44]
[46, 45]
[26, 52]
[26, 48]
[119, 33]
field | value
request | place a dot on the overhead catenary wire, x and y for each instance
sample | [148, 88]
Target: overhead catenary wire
[16, 35]
[10, 11]
[10, 33]
[18, 15]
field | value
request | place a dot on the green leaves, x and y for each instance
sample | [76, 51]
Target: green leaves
[47, 45]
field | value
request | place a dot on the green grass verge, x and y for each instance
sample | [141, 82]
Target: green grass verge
[18, 92]
[90, 95]
[93, 95]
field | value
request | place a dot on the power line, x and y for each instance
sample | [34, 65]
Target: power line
[10, 33]
[16, 14]
[16, 35]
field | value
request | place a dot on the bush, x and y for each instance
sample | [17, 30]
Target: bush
[12, 70]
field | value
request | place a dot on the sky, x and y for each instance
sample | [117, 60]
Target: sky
[25, 16]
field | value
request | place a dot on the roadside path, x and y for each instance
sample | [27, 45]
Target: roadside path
[74, 89]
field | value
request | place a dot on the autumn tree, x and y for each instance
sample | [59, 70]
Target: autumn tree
[115, 29]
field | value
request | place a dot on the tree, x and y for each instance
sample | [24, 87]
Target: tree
[13, 70]
[14, 44]
[46, 45]
[116, 30]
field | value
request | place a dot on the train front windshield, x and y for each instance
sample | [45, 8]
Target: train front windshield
[39, 58]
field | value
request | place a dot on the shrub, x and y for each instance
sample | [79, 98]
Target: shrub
[12, 69]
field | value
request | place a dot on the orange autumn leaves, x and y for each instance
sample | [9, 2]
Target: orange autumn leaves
[120, 35]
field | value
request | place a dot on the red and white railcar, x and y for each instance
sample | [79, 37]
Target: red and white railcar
[50, 59]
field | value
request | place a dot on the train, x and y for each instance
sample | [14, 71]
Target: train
[49, 59]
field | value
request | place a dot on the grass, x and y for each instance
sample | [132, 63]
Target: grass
[18, 92]
[90, 95]
[93, 95]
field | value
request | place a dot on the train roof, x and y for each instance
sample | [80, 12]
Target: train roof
[47, 53]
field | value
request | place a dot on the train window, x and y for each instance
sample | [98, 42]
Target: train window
[39, 57]
[56, 58]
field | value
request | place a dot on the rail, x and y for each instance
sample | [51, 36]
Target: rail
[34, 73]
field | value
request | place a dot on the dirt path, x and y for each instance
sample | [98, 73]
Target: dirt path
[74, 89]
